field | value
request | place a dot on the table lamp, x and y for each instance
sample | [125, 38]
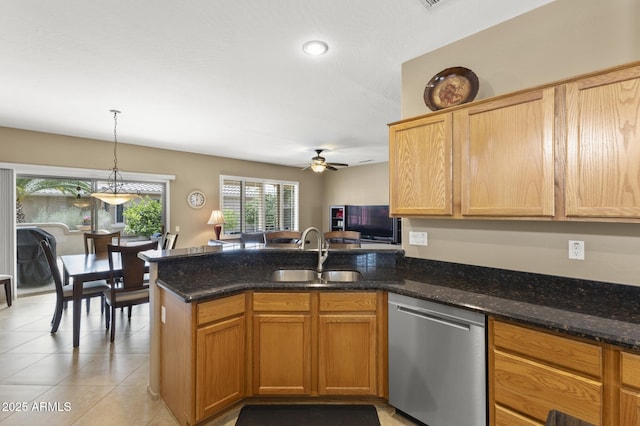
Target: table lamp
[216, 219]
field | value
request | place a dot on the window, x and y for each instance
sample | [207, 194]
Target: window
[254, 205]
[52, 199]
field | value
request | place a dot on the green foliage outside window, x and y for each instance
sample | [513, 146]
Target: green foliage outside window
[143, 217]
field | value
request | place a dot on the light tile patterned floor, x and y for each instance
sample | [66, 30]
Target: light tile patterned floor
[43, 380]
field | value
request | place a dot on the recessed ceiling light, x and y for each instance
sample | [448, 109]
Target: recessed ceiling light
[315, 47]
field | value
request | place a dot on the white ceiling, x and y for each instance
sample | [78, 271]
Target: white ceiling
[225, 77]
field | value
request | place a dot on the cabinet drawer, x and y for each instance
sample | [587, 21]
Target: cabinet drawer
[220, 308]
[348, 302]
[282, 302]
[630, 369]
[506, 417]
[573, 355]
[533, 388]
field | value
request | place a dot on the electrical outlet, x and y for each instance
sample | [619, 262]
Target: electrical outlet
[163, 314]
[576, 250]
[418, 238]
[177, 229]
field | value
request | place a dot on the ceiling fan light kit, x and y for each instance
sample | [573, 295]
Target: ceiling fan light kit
[319, 163]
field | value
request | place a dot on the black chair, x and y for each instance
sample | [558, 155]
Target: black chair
[64, 293]
[132, 290]
[6, 281]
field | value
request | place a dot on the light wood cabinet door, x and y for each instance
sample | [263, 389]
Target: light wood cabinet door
[282, 354]
[630, 393]
[603, 146]
[220, 366]
[629, 408]
[421, 167]
[347, 354]
[507, 156]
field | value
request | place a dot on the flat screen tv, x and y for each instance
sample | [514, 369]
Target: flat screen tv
[373, 223]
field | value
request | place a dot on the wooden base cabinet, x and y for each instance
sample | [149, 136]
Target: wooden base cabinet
[630, 389]
[532, 372]
[318, 343]
[216, 353]
[347, 347]
[282, 343]
[202, 360]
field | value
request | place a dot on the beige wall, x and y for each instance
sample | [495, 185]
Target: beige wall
[192, 171]
[562, 39]
[355, 185]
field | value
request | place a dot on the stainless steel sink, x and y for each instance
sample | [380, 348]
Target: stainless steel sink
[309, 275]
[341, 276]
[294, 275]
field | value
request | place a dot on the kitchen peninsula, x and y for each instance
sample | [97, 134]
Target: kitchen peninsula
[207, 298]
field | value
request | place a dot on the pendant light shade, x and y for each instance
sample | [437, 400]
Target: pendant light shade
[113, 193]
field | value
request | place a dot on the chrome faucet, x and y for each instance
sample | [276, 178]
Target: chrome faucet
[323, 253]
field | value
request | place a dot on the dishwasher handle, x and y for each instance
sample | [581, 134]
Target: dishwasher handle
[434, 317]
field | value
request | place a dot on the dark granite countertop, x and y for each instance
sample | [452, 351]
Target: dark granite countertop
[602, 312]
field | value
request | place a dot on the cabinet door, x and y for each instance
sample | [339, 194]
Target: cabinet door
[282, 354]
[507, 156]
[603, 146]
[421, 167]
[347, 355]
[220, 365]
[629, 408]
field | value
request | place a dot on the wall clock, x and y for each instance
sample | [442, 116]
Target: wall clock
[196, 199]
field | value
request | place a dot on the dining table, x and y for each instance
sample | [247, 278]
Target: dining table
[80, 268]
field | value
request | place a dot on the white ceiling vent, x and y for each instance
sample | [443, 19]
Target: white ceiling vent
[429, 3]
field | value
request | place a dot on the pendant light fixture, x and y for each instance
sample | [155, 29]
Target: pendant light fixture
[113, 193]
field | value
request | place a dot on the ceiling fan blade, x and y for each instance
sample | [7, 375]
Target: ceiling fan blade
[338, 164]
[330, 167]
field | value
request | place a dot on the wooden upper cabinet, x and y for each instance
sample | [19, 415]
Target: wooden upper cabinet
[603, 146]
[421, 167]
[507, 156]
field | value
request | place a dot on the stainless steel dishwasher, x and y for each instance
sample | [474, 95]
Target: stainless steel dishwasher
[437, 362]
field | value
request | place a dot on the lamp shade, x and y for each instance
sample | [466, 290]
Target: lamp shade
[216, 218]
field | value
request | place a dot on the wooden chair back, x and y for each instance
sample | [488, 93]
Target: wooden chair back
[169, 241]
[342, 239]
[53, 265]
[133, 268]
[99, 242]
[283, 238]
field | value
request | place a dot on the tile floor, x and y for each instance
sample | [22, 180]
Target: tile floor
[43, 380]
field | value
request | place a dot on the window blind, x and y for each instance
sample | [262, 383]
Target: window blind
[255, 205]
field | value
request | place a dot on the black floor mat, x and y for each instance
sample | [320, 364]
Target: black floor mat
[308, 415]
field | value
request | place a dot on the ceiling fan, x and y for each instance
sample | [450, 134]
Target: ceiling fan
[319, 164]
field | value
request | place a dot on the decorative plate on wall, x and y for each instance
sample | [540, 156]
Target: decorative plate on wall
[196, 199]
[453, 86]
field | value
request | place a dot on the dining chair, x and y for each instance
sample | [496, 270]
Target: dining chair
[99, 242]
[132, 290]
[98, 246]
[64, 293]
[283, 238]
[6, 281]
[169, 241]
[342, 239]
